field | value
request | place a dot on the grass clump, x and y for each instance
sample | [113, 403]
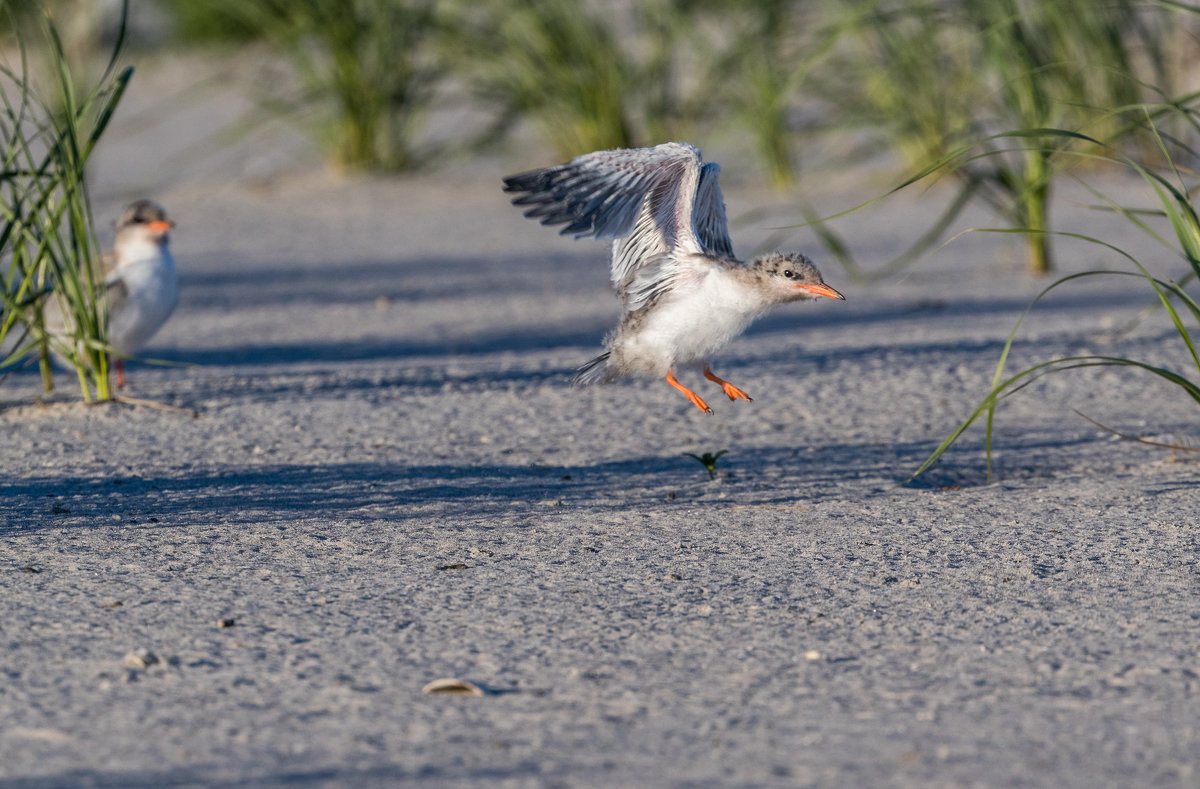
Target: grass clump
[368, 70]
[934, 77]
[564, 65]
[765, 55]
[927, 76]
[48, 242]
[1176, 206]
[590, 76]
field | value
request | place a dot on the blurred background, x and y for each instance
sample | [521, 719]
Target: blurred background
[402, 85]
[780, 86]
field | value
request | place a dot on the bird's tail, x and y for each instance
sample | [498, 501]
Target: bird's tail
[593, 372]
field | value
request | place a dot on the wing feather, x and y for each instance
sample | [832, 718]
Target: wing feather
[116, 293]
[658, 204]
[711, 225]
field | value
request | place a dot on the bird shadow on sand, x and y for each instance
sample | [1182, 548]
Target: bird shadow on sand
[395, 492]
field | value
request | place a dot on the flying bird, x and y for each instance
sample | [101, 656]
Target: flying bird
[684, 294]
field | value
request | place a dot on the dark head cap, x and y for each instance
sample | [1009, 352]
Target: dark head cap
[797, 274]
[143, 212]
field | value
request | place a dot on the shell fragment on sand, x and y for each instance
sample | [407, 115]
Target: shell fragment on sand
[458, 687]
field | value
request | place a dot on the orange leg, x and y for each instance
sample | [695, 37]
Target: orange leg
[120, 373]
[731, 391]
[692, 397]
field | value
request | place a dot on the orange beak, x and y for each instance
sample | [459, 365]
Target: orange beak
[161, 226]
[822, 290]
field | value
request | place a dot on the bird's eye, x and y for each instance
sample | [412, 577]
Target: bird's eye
[789, 274]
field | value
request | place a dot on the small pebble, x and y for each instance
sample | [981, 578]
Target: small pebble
[225, 623]
[140, 658]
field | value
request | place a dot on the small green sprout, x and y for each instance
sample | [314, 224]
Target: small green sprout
[709, 461]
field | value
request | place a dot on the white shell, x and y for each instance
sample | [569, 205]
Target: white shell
[455, 686]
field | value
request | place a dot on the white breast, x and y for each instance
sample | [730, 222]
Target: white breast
[153, 292]
[693, 321]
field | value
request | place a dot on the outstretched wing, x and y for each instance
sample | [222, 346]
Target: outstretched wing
[645, 198]
[711, 226]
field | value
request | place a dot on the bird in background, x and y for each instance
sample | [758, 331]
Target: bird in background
[141, 288]
[684, 294]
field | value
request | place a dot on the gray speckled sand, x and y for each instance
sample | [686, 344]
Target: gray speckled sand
[390, 481]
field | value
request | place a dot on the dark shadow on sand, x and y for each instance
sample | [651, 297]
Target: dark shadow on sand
[363, 281]
[374, 491]
[209, 776]
[531, 339]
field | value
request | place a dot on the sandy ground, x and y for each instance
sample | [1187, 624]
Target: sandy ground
[390, 481]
